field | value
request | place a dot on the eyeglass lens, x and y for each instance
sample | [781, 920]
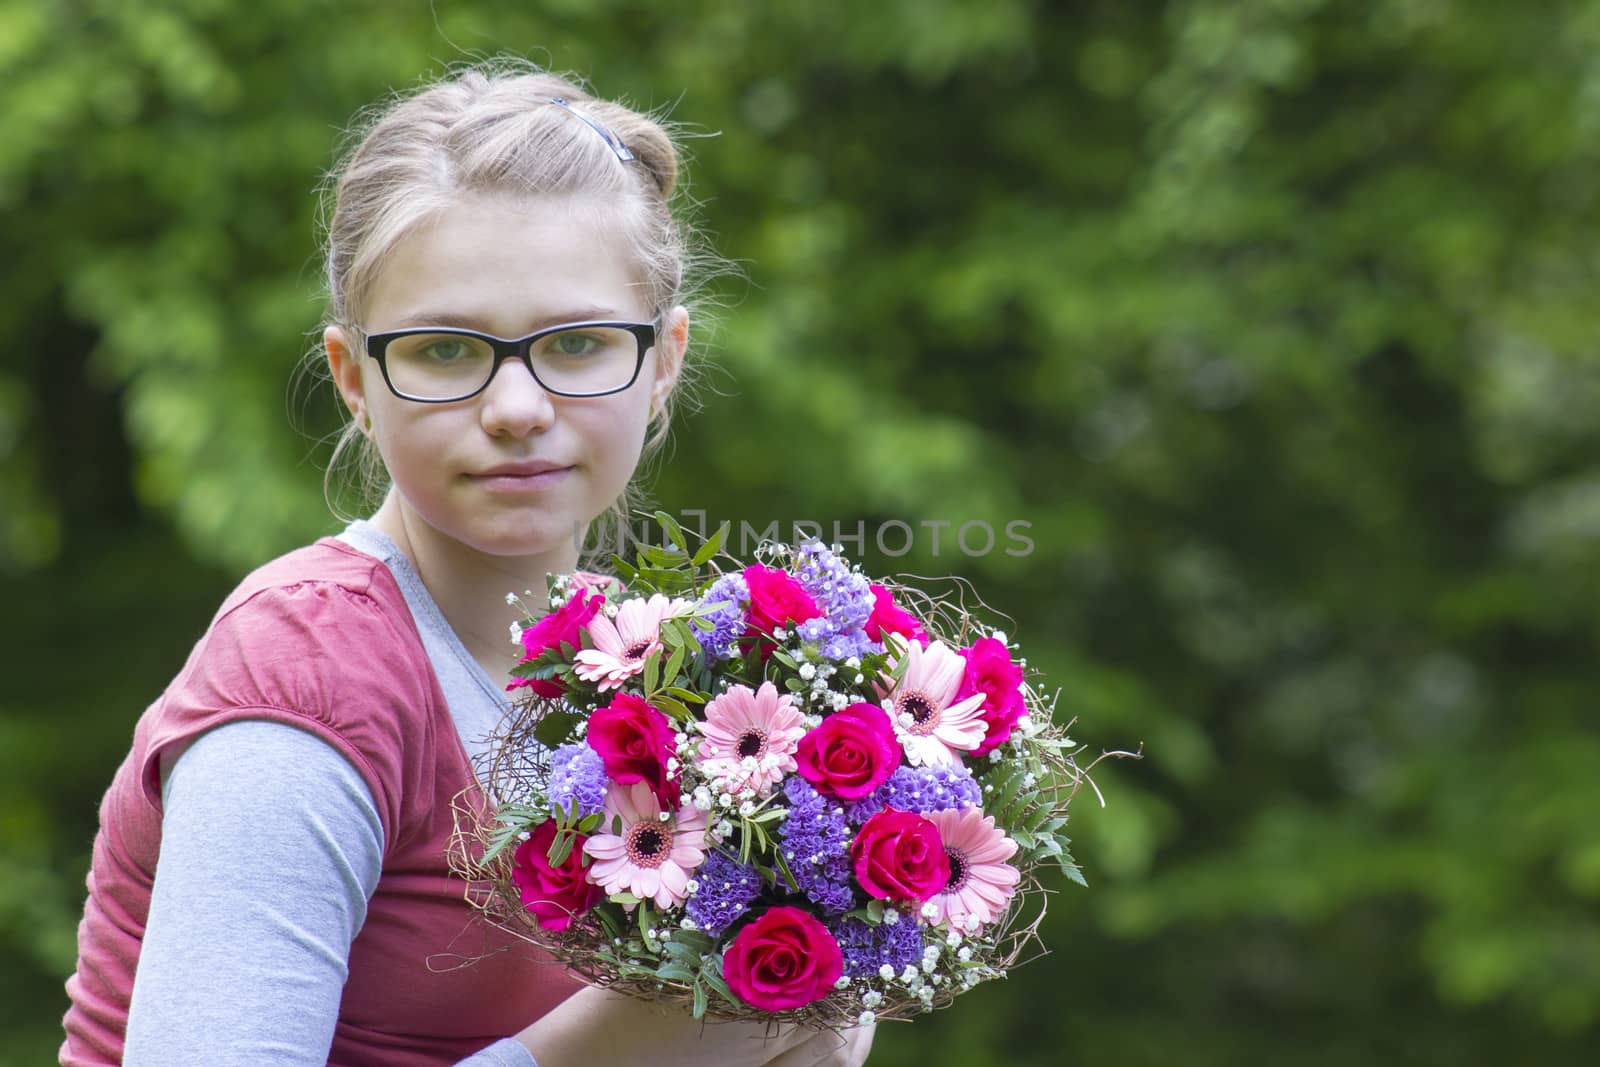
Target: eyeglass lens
[587, 360]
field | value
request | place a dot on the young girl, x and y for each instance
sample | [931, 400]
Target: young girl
[269, 883]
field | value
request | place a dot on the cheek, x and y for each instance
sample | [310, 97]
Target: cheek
[412, 460]
[614, 435]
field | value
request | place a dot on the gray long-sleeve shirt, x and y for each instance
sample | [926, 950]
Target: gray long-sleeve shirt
[271, 951]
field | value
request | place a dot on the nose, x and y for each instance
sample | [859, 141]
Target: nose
[515, 404]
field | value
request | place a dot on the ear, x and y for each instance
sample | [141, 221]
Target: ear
[344, 364]
[671, 343]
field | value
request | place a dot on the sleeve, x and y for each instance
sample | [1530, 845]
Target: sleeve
[506, 1052]
[271, 847]
[322, 657]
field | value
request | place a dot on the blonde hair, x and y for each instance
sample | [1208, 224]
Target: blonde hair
[499, 126]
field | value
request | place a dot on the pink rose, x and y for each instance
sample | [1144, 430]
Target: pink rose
[898, 855]
[889, 618]
[785, 959]
[776, 599]
[851, 753]
[555, 895]
[562, 626]
[991, 672]
[635, 741]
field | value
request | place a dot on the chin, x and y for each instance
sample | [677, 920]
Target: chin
[528, 535]
[524, 542]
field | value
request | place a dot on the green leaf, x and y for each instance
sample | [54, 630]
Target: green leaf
[712, 546]
[673, 971]
[665, 563]
[673, 531]
[783, 869]
[503, 838]
[652, 672]
[669, 674]
[607, 912]
[697, 941]
[672, 708]
[685, 954]
[685, 636]
[700, 1000]
[555, 727]
[711, 974]
[561, 847]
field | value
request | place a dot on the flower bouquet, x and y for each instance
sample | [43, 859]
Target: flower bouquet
[776, 790]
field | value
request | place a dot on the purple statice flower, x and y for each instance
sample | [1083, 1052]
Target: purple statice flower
[726, 889]
[867, 948]
[845, 597]
[816, 846]
[577, 780]
[919, 789]
[729, 623]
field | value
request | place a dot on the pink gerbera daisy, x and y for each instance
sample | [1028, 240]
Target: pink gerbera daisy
[981, 882]
[622, 645]
[750, 737]
[931, 724]
[652, 857]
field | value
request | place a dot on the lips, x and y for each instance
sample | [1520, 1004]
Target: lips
[521, 470]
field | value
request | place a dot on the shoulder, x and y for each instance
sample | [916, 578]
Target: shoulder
[321, 639]
[329, 565]
[310, 631]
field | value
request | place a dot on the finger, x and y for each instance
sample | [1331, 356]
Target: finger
[828, 1049]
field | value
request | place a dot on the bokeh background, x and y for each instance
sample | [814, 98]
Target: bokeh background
[1275, 319]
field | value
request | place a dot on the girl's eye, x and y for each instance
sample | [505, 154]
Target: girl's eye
[574, 344]
[447, 350]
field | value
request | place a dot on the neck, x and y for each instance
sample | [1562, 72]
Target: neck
[470, 587]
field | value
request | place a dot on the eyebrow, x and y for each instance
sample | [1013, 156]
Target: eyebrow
[470, 322]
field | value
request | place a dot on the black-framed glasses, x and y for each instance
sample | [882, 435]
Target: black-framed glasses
[440, 364]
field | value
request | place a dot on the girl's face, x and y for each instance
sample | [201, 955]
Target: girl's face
[507, 266]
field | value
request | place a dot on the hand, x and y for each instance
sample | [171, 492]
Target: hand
[828, 1049]
[600, 1026]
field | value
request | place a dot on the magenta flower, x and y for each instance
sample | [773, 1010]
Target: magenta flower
[990, 673]
[562, 626]
[890, 618]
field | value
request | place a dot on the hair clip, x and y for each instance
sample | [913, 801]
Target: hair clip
[612, 140]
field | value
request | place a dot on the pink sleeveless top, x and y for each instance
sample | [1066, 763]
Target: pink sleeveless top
[322, 639]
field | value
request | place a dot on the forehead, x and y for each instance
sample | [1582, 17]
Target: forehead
[508, 265]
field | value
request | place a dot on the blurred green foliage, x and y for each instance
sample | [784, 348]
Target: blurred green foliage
[1274, 318]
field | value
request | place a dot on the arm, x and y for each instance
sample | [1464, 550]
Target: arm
[599, 1026]
[271, 846]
